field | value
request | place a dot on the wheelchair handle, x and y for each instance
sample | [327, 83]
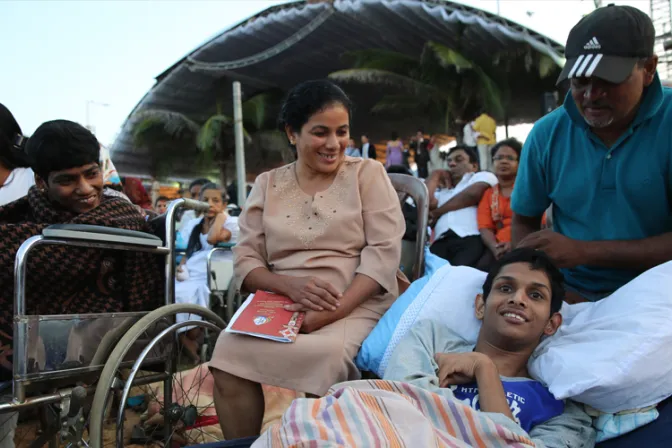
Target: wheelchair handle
[76, 401]
[198, 206]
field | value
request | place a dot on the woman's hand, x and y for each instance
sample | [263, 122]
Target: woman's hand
[502, 249]
[181, 273]
[310, 293]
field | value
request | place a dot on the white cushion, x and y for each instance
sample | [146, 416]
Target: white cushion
[615, 354]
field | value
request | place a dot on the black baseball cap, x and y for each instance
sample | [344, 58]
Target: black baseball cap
[607, 43]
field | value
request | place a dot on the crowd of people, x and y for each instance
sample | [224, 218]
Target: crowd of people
[327, 230]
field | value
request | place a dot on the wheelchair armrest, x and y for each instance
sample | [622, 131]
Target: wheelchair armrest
[83, 232]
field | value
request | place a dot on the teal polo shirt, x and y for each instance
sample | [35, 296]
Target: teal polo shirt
[600, 193]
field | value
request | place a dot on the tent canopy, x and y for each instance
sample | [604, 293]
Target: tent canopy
[286, 44]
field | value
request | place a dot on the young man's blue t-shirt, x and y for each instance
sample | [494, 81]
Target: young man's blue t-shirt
[530, 402]
[599, 193]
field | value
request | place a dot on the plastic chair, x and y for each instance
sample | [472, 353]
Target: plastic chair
[413, 254]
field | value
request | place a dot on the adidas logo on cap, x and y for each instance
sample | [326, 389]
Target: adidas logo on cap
[592, 44]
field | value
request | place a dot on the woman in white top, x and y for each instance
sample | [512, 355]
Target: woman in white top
[16, 177]
[202, 234]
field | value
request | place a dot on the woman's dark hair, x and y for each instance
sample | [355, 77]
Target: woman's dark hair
[394, 136]
[60, 145]
[200, 182]
[307, 99]
[511, 143]
[538, 261]
[194, 244]
[161, 198]
[10, 156]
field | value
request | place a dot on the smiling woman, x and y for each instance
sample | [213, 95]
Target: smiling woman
[326, 232]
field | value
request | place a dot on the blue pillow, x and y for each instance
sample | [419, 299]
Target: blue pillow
[374, 346]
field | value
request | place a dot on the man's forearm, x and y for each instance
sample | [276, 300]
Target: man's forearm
[469, 197]
[491, 391]
[632, 254]
[522, 226]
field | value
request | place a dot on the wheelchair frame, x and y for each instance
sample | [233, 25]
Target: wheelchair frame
[71, 399]
[232, 300]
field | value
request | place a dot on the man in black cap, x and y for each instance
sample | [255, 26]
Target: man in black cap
[603, 160]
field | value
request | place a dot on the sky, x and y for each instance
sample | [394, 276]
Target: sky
[92, 61]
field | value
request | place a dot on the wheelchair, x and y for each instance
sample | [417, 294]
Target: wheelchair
[108, 379]
[225, 299]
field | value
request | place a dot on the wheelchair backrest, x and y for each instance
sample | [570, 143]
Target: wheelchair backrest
[413, 253]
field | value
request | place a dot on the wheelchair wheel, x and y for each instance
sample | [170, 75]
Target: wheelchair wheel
[234, 300]
[155, 387]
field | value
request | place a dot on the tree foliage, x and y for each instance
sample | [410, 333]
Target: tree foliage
[172, 137]
[440, 82]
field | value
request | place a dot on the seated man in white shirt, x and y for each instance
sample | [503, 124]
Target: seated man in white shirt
[454, 197]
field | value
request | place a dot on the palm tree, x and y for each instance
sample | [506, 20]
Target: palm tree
[440, 83]
[170, 136]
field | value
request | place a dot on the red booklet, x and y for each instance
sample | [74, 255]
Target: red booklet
[263, 316]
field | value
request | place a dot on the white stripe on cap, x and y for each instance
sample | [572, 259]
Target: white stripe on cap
[586, 61]
[576, 64]
[593, 66]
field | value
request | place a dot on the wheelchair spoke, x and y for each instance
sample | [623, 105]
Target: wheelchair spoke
[190, 413]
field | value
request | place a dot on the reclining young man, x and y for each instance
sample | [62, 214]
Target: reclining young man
[520, 304]
[69, 280]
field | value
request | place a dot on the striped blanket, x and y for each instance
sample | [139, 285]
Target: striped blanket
[389, 414]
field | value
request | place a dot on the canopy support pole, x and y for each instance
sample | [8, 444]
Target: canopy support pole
[241, 178]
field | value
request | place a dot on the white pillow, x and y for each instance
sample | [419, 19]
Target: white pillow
[448, 297]
[613, 355]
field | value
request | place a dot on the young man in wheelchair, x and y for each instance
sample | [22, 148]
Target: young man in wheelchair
[70, 280]
[520, 305]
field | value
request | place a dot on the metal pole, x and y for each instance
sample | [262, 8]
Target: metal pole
[240, 149]
[20, 335]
